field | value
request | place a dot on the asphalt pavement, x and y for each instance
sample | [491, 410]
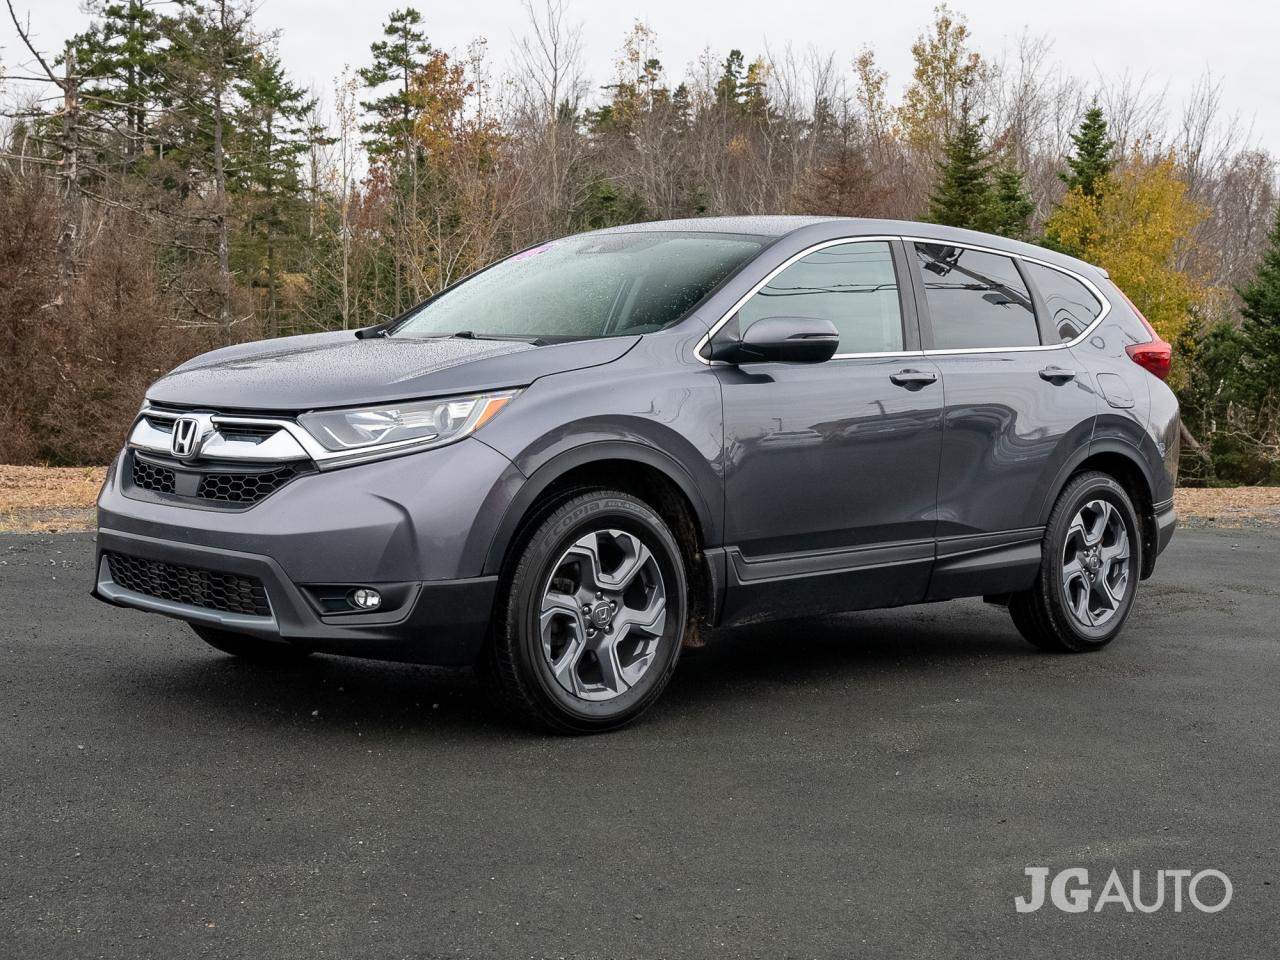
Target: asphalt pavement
[866, 785]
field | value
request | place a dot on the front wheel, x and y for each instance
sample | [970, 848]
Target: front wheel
[1089, 569]
[592, 618]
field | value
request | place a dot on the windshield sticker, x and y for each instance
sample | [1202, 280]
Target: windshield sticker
[533, 252]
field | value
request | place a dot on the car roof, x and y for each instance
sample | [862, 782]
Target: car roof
[819, 228]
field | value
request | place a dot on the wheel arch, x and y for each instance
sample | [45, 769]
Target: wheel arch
[1123, 462]
[644, 472]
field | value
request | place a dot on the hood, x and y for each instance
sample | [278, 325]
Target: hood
[338, 370]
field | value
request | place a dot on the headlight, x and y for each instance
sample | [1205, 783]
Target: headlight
[419, 423]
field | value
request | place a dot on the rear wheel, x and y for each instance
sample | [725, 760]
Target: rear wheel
[1089, 569]
[592, 618]
[250, 648]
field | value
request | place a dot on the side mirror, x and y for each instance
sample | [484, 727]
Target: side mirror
[784, 339]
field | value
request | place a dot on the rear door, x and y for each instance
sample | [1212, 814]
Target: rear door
[1017, 407]
[831, 469]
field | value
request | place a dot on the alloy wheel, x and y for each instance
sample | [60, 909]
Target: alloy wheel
[603, 613]
[1095, 563]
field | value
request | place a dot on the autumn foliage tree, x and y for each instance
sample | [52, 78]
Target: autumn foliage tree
[169, 185]
[1135, 225]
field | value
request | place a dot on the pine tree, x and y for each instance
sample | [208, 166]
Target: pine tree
[1261, 312]
[1092, 161]
[729, 87]
[272, 138]
[1009, 206]
[396, 60]
[389, 134]
[120, 60]
[210, 47]
[962, 196]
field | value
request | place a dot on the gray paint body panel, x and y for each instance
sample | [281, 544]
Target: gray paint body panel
[815, 487]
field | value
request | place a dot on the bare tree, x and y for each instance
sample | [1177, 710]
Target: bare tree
[549, 65]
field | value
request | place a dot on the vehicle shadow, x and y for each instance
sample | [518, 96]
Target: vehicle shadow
[345, 695]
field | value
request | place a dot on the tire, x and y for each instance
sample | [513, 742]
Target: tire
[253, 649]
[1089, 569]
[559, 660]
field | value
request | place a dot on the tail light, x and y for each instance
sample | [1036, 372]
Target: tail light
[1155, 356]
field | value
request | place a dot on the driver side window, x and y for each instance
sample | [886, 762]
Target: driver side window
[854, 285]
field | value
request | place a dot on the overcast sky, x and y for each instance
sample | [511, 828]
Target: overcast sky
[1170, 43]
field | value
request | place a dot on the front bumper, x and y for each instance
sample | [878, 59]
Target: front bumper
[439, 622]
[416, 528]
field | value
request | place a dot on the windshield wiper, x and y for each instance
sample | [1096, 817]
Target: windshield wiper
[519, 338]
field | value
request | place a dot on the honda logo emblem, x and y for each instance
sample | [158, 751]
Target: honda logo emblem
[186, 438]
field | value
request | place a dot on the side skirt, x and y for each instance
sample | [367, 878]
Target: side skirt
[988, 563]
[806, 584]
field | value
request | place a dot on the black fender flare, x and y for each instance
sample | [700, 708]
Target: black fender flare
[592, 452]
[1106, 445]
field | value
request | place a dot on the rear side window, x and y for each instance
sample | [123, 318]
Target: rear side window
[853, 285]
[1072, 308]
[976, 299]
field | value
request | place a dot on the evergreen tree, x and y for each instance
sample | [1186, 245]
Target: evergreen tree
[389, 134]
[120, 60]
[211, 45]
[1261, 312]
[607, 206]
[272, 139]
[729, 86]
[1009, 206]
[1092, 161]
[755, 90]
[962, 196]
[396, 60]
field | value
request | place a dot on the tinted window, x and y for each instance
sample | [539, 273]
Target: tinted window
[975, 299]
[1071, 306]
[851, 284]
[594, 285]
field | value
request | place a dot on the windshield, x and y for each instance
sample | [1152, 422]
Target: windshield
[601, 285]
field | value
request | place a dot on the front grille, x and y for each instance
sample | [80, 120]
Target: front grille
[193, 586]
[215, 484]
[152, 476]
[244, 487]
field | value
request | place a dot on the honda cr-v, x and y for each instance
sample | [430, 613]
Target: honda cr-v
[576, 461]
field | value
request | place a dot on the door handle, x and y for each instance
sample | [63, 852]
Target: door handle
[1057, 374]
[913, 378]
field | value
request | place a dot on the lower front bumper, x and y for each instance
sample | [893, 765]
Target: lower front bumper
[441, 622]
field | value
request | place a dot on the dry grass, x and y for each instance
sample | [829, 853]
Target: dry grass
[39, 499]
[48, 498]
[1228, 506]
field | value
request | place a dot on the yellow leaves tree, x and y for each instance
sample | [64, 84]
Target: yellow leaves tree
[946, 75]
[440, 91]
[459, 197]
[1135, 227]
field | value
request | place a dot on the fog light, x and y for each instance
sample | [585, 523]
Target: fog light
[366, 598]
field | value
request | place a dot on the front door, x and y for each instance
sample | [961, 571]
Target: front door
[831, 469]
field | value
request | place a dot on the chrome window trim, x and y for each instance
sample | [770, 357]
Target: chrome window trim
[1088, 284]
[821, 245]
